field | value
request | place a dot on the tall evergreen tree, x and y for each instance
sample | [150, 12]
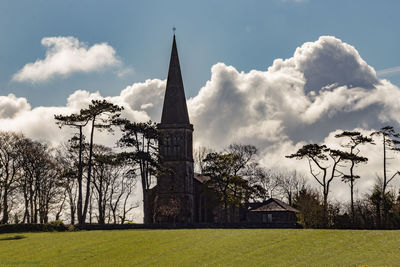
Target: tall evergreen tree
[354, 140]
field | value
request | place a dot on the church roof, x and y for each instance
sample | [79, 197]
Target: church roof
[201, 178]
[174, 109]
[271, 204]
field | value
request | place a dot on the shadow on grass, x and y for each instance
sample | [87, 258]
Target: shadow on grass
[16, 237]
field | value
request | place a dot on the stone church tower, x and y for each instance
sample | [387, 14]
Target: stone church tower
[175, 189]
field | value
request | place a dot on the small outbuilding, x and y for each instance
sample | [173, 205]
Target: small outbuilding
[272, 212]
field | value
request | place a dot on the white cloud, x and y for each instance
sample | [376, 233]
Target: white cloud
[66, 55]
[325, 85]
[388, 71]
[10, 106]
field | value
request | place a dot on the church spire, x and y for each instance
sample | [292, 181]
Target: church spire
[174, 109]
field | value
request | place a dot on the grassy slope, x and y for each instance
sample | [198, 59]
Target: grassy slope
[204, 247]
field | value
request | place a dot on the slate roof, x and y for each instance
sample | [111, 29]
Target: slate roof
[271, 204]
[174, 108]
[201, 178]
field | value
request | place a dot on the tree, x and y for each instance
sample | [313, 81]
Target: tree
[142, 140]
[68, 160]
[244, 155]
[320, 156]
[390, 141]
[9, 169]
[290, 184]
[40, 181]
[76, 121]
[101, 115]
[120, 196]
[266, 180]
[231, 189]
[104, 172]
[308, 203]
[113, 185]
[354, 139]
[199, 155]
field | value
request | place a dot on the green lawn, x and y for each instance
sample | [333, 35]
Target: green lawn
[204, 247]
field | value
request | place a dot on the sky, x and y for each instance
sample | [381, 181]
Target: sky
[273, 73]
[246, 34]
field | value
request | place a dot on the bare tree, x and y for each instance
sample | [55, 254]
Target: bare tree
[290, 185]
[66, 156]
[103, 164]
[9, 169]
[267, 180]
[323, 163]
[40, 181]
[199, 155]
[120, 200]
[390, 141]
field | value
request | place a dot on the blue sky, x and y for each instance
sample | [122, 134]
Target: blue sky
[245, 34]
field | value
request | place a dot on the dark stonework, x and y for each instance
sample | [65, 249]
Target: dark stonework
[176, 149]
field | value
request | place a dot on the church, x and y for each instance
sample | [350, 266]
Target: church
[175, 189]
[181, 196]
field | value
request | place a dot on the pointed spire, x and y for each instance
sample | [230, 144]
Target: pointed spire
[174, 109]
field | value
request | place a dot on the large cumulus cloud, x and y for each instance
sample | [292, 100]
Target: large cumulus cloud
[324, 87]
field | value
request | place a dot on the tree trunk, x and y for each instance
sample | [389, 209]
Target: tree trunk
[384, 183]
[352, 190]
[145, 211]
[101, 211]
[26, 212]
[35, 209]
[89, 172]
[325, 211]
[80, 178]
[5, 206]
[71, 206]
[352, 201]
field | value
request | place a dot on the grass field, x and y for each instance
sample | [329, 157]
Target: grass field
[205, 247]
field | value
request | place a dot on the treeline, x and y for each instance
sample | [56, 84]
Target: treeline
[82, 181]
[39, 182]
[377, 209]
[237, 178]
[79, 181]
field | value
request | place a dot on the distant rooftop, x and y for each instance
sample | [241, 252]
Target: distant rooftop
[271, 204]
